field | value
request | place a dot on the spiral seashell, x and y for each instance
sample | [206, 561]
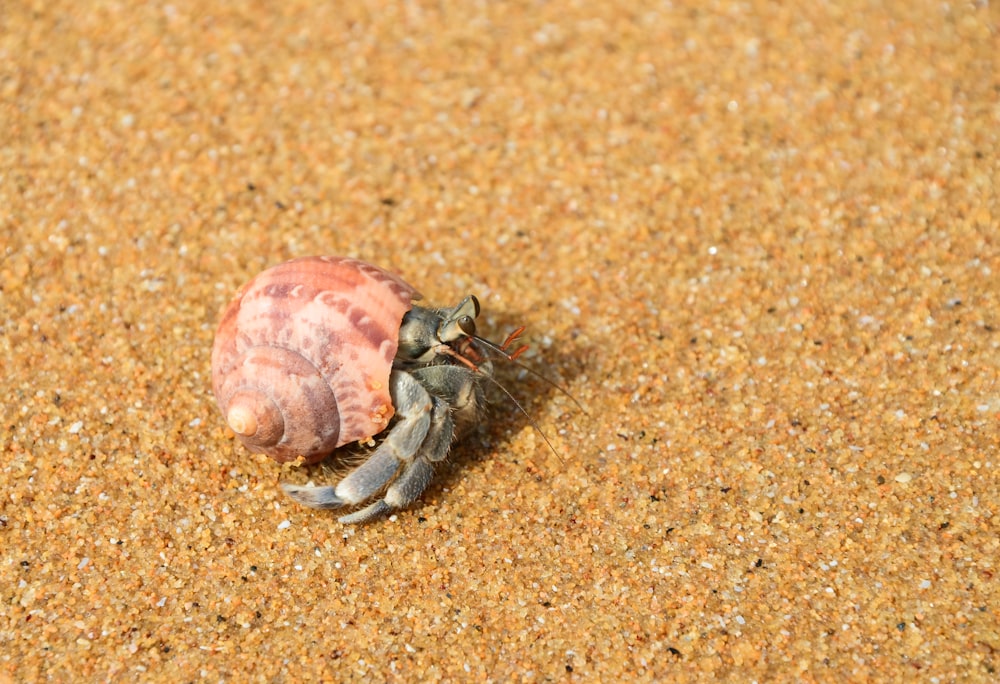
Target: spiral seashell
[303, 353]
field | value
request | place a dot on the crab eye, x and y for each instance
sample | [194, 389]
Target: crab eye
[475, 302]
[467, 324]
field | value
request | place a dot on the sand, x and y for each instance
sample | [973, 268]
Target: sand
[757, 242]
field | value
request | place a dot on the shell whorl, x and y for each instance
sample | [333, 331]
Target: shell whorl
[303, 353]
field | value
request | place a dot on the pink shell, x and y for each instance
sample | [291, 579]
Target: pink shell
[302, 356]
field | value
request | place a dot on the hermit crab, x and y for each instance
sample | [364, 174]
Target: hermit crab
[321, 352]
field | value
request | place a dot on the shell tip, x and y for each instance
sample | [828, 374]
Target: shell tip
[242, 420]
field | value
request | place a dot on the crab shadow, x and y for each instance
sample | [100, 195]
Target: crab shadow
[517, 396]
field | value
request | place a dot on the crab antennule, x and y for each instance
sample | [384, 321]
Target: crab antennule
[518, 352]
[513, 336]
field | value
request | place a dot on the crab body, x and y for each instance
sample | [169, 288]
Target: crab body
[321, 352]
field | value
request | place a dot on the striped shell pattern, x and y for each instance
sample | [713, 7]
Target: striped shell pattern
[302, 356]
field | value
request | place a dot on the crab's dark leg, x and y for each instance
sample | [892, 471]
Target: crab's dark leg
[456, 395]
[414, 409]
[417, 473]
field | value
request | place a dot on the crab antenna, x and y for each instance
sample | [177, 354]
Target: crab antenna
[461, 359]
[501, 350]
[527, 415]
